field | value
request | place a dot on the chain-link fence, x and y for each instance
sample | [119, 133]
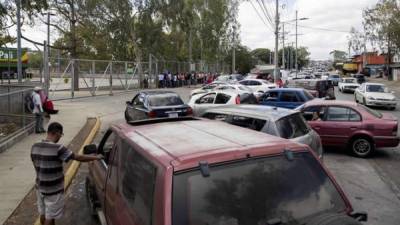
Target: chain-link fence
[14, 120]
[72, 78]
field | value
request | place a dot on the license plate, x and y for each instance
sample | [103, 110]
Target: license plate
[173, 115]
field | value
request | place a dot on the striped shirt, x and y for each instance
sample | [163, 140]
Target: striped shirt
[48, 158]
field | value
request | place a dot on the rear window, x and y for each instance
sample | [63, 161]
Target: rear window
[254, 191]
[334, 76]
[165, 100]
[292, 126]
[371, 111]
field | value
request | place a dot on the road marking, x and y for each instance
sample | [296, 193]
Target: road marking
[73, 168]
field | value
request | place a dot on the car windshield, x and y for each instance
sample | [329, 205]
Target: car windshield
[371, 111]
[376, 88]
[254, 191]
[308, 95]
[292, 126]
[165, 100]
[349, 81]
[334, 76]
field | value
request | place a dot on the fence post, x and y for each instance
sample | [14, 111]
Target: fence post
[93, 78]
[126, 75]
[46, 69]
[150, 72]
[72, 78]
[111, 83]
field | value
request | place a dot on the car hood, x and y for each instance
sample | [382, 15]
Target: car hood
[380, 95]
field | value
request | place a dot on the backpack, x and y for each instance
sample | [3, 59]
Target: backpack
[29, 105]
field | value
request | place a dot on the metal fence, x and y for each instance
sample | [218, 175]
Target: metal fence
[15, 121]
[105, 77]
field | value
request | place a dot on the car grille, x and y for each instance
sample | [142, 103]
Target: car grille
[382, 99]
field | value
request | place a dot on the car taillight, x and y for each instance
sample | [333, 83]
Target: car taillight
[394, 131]
[237, 100]
[189, 111]
[151, 114]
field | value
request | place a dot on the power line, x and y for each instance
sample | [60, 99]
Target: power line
[265, 11]
[261, 18]
[320, 28]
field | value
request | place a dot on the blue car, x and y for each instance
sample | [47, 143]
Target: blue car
[289, 98]
[335, 78]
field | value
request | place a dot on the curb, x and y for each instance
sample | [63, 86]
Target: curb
[73, 168]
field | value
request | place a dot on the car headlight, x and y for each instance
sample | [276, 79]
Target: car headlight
[370, 98]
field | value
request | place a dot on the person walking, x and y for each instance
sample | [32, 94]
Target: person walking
[37, 110]
[47, 157]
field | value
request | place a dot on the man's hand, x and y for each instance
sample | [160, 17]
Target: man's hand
[87, 158]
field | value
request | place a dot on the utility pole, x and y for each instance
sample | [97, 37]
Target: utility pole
[283, 46]
[190, 49]
[295, 61]
[233, 50]
[19, 50]
[276, 70]
[48, 33]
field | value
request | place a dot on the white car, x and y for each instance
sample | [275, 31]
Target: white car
[375, 94]
[200, 103]
[205, 88]
[348, 84]
[258, 85]
[238, 87]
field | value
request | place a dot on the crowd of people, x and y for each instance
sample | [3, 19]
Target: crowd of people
[169, 80]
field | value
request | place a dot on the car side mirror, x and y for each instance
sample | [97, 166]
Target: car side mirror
[359, 216]
[128, 102]
[90, 149]
[197, 101]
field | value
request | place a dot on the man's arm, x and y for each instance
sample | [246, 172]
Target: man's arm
[87, 158]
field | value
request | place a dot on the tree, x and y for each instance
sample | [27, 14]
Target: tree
[262, 55]
[303, 57]
[338, 56]
[356, 41]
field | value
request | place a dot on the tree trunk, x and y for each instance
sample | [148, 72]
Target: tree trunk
[73, 47]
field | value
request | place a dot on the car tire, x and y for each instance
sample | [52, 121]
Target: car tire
[332, 219]
[362, 146]
[91, 197]
[393, 108]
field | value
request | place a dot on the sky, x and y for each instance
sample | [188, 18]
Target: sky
[338, 15]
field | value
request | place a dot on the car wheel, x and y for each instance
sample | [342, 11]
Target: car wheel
[332, 219]
[91, 197]
[393, 108]
[362, 147]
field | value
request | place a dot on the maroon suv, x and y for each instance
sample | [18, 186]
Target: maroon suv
[349, 124]
[183, 171]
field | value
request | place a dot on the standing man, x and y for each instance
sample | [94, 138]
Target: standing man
[48, 157]
[38, 110]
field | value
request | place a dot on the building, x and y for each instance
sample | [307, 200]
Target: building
[370, 63]
[395, 66]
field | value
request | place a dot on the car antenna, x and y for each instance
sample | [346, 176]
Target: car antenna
[289, 154]
[205, 170]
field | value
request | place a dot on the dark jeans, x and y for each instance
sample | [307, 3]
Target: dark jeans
[39, 122]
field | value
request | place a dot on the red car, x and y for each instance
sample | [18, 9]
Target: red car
[349, 124]
[187, 171]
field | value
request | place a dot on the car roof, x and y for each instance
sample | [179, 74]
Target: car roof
[184, 143]
[374, 84]
[287, 89]
[157, 92]
[317, 101]
[254, 111]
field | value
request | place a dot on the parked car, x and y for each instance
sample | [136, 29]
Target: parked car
[360, 78]
[279, 122]
[154, 104]
[348, 84]
[317, 87]
[205, 88]
[334, 78]
[180, 171]
[350, 125]
[285, 97]
[200, 103]
[375, 94]
[258, 85]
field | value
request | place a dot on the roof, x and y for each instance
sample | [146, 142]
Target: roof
[255, 111]
[157, 92]
[184, 143]
[318, 101]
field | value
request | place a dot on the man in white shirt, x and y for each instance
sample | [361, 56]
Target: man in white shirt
[38, 110]
[161, 80]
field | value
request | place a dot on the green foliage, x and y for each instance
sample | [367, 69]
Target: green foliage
[35, 59]
[338, 56]
[262, 55]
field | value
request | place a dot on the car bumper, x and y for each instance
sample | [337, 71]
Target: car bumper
[349, 89]
[386, 141]
[381, 103]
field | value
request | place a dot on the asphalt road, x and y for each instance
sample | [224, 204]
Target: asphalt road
[370, 184]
